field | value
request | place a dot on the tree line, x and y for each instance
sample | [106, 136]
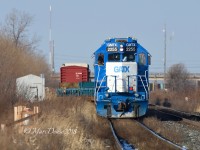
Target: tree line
[18, 55]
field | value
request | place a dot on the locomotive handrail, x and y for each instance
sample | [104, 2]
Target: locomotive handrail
[96, 83]
[143, 85]
[99, 86]
[140, 76]
[147, 82]
[146, 78]
[115, 82]
[97, 80]
[101, 83]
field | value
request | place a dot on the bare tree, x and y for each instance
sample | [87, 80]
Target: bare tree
[16, 27]
[178, 78]
[17, 56]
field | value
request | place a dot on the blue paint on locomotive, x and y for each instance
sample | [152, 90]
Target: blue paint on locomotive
[121, 71]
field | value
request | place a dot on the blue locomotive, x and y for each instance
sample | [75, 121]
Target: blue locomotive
[121, 76]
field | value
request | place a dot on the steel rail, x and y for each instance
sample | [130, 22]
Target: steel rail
[158, 136]
[187, 117]
[191, 122]
[119, 145]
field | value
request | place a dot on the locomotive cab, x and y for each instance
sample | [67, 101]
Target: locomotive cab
[121, 78]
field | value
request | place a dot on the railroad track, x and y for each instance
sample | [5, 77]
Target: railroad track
[186, 129]
[188, 118]
[148, 133]
[158, 136]
[121, 144]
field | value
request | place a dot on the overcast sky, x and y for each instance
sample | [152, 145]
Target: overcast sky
[80, 27]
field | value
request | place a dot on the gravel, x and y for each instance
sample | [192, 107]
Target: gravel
[190, 135]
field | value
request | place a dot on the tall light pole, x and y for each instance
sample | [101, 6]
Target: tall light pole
[165, 53]
[51, 43]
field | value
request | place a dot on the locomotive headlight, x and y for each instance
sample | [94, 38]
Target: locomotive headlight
[137, 95]
[107, 95]
[121, 48]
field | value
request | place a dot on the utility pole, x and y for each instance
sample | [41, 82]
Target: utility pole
[165, 53]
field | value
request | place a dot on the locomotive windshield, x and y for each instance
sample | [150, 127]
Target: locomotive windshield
[128, 57]
[114, 57]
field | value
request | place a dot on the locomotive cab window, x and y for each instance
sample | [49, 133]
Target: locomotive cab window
[114, 57]
[128, 57]
[142, 59]
[100, 59]
[149, 59]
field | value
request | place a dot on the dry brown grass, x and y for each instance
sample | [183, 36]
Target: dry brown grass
[198, 109]
[159, 128]
[138, 136]
[15, 62]
[189, 102]
[68, 85]
[73, 124]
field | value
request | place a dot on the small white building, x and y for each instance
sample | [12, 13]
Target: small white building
[31, 87]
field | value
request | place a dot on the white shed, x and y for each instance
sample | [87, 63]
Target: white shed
[31, 87]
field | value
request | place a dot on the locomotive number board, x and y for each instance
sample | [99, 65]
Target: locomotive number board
[130, 47]
[112, 49]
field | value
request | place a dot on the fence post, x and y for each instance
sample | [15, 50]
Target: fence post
[3, 127]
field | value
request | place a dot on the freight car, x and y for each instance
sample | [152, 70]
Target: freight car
[121, 71]
[74, 73]
[74, 80]
[79, 89]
